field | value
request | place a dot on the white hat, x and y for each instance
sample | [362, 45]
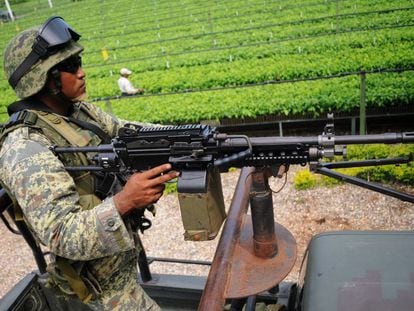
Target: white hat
[125, 71]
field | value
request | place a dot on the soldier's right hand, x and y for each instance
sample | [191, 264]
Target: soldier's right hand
[144, 188]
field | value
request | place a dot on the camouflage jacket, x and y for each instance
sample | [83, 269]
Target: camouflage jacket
[93, 237]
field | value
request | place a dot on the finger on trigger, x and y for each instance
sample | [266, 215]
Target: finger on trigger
[170, 175]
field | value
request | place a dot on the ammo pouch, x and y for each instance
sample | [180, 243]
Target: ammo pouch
[201, 203]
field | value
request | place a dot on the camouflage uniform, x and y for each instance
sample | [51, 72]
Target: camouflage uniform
[61, 208]
[94, 238]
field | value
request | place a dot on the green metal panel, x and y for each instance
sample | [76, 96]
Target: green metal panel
[360, 270]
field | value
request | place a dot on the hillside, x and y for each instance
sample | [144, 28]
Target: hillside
[233, 59]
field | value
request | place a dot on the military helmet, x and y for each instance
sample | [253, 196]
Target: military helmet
[32, 53]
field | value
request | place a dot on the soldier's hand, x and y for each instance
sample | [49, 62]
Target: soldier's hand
[144, 188]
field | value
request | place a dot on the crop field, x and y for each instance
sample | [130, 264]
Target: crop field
[202, 60]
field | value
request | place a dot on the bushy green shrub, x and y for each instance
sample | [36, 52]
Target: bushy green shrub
[170, 187]
[304, 179]
[403, 173]
[328, 181]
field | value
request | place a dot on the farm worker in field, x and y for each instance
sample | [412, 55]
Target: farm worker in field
[125, 85]
[83, 218]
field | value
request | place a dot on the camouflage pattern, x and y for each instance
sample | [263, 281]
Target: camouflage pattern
[94, 237]
[34, 80]
[122, 292]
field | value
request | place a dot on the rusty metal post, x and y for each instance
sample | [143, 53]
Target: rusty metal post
[261, 205]
[249, 258]
[213, 298]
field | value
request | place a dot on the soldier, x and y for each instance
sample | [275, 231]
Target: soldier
[79, 216]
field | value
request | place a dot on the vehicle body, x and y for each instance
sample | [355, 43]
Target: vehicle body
[346, 270]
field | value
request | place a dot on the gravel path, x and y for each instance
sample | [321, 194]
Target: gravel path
[304, 213]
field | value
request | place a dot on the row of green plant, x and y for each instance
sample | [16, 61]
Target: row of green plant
[341, 42]
[241, 16]
[214, 19]
[402, 174]
[304, 61]
[244, 16]
[237, 39]
[331, 42]
[130, 52]
[269, 53]
[310, 97]
[277, 64]
[141, 15]
[215, 12]
[265, 30]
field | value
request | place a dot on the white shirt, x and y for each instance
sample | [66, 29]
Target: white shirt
[126, 86]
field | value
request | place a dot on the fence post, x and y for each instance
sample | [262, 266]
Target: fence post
[9, 10]
[353, 125]
[362, 106]
[337, 16]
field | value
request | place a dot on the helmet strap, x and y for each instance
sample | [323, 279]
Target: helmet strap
[55, 76]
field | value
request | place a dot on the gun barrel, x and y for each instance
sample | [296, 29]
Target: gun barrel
[387, 138]
[264, 142]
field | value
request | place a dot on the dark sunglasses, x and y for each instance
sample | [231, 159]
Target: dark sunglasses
[52, 36]
[70, 65]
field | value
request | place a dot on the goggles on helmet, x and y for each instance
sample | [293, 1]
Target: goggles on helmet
[52, 36]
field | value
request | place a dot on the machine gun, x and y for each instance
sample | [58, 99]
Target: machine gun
[197, 150]
[200, 153]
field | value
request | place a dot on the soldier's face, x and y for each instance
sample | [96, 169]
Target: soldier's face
[73, 84]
